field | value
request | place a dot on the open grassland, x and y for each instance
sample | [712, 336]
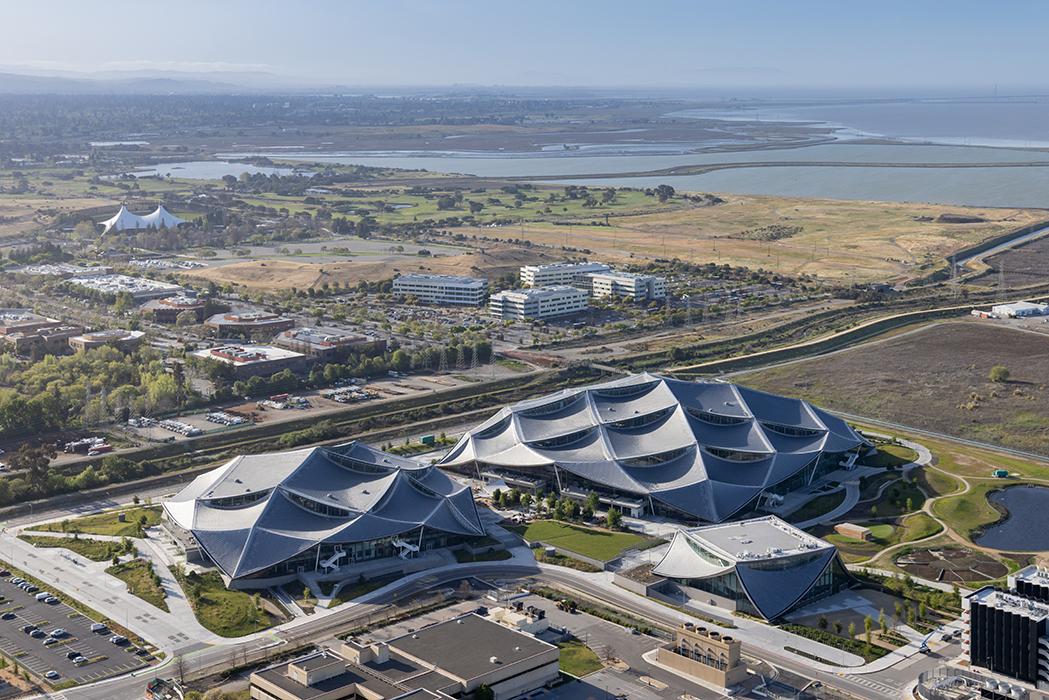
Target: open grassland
[578, 659]
[848, 240]
[20, 214]
[934, 378]
[1021, 266]
[271, 275]
[603, 545]
[108, 523]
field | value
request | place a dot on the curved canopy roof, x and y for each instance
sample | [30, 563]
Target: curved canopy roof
[704, 448]
[258, 510]
[124, 220]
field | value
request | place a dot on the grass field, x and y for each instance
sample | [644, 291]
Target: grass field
[889, 456]
[107, 523]
[817, 506]
[226, 613]
[603, 545]
[138, 575]
[967, 513]
[95, 550]
[856, 240]
[935, 378]
[908, 529]
[577, 658]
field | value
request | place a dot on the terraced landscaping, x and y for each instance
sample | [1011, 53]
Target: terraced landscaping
[95, 550]
[108, 523]
[603, 545]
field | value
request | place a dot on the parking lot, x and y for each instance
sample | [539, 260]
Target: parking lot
[105, 659]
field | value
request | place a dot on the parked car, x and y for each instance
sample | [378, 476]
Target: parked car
[8, 616]
[42, 596]
[118, 639]
[49, 641]
[79, 661]
[51, 675]
[72, 655]
[52, 600]
[58, 633]
[99, 628]
[28, 628]
[37, 634]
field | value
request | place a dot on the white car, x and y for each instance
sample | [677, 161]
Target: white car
[51, 675]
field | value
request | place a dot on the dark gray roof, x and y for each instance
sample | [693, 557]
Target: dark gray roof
[252, 513]
[464, 646]
[704, 448]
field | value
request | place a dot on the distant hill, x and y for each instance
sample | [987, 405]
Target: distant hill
[17, 83]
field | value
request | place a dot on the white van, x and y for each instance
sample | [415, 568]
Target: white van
[42, 595]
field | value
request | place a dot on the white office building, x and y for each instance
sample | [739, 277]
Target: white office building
[628, 285]
[559, 273]
[443, 289]
[537, 304]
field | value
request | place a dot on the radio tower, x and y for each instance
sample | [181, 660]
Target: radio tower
[1001, 281]
[955, 289]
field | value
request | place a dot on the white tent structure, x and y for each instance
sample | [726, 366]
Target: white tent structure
[124, 220]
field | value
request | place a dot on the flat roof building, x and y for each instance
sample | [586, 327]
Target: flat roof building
[761, 566]
[168, 309]
[24, 321]
[328, 344]
[537, 304]
[247, 323]
[267, 517]
[1008, 633]
[254, 360]
[38, 342]
[705, 655]
[628, 285]
[139, 288]
[448, 659]
[1019, 309]
[695, 450]
[558, 273]
[123, 340]
[443, 289]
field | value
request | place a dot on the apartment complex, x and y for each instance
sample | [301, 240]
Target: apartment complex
[443, 289]
[538, 304]
[629, 285]
[559, 273]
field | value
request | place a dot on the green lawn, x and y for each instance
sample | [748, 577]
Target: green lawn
[603, 545]
[356, 590]
[95, 550]
[139, 577]
[578, 659]
[107, 523]
[968, 512]
[817, 506]
[890, 456]
[226, 613]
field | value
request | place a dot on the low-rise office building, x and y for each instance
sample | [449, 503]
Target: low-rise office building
[449, 659]
[559, 273]
[255, 360]
[34, 344]
[443, 289]
[125, 341]
[24, 321]
[140, 288]
[538, 304]
[628, 285]
[168, 309]
[247, 324]
[328, 344]
[762, 566]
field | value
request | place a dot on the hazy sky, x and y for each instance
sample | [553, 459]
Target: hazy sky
[545, 42]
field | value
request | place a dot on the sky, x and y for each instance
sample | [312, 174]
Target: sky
[600, 43]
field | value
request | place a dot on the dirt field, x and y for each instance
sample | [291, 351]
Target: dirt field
[19, 214]
[1023, 266]
[934, 378]
[268, 275]
[849, 240]
[951, 565]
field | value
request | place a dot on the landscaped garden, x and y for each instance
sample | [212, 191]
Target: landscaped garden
[225, 612]
[108, 523]
[141, 580]
[600, 544]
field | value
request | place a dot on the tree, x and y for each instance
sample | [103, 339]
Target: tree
[910, 504]
[868, 623]
[483, 692]
[613, 518]
[664, 192]
[837, 627]
[999, 374]
[852, 630]
[35, 461]
[822, 623]
[526, 500]
[497, 496]
[882, 623]
[592, 501]
[186, 318]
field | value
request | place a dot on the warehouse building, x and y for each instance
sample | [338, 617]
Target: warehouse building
[559, 273]
[168, 309]
[123, 340]
[537, 304]
[247, 324]
[328, 344]
[443, 289]
[1019, 309]
[705, 451]
[627, 285]
[762, 566]
[266, 518]
[255, 360]
[449, 659]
